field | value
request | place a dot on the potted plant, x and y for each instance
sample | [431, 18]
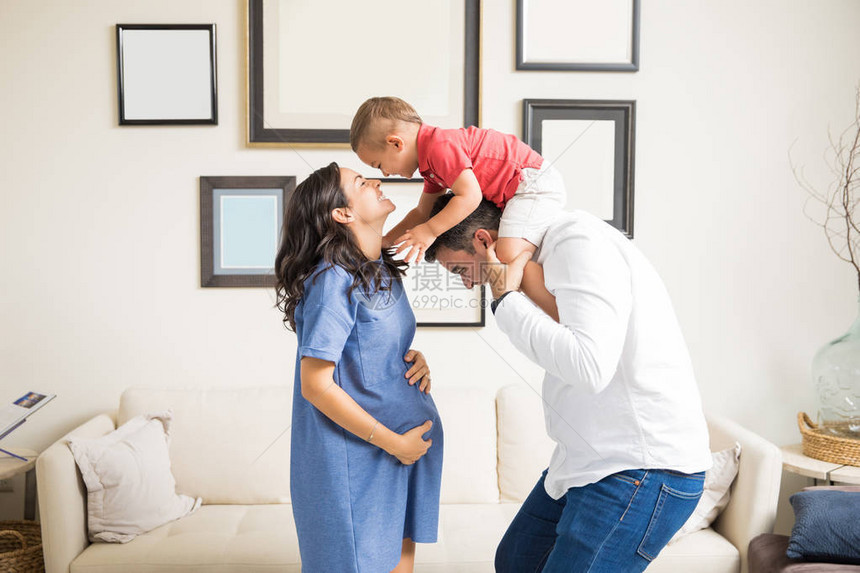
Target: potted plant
[836, 366]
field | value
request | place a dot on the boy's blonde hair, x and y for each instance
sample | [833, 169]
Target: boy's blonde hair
[378, 117]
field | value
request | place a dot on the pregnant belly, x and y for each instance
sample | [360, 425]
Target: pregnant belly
[401, 407]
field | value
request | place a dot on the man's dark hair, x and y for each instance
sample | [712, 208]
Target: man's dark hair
[459, 237]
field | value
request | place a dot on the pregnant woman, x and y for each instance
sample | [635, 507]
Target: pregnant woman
[366, 437]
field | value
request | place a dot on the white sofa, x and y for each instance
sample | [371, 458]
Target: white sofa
[231, 447]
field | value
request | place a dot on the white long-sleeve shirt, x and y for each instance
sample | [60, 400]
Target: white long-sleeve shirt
[619, 391]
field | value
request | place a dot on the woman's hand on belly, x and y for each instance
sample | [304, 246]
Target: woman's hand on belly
[408, 447]
[419, 372]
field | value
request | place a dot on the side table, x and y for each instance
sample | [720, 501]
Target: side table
[10, 467]
[793, 460]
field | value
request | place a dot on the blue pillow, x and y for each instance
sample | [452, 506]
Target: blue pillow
[826, 526]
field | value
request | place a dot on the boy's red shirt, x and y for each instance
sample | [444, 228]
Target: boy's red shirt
[497, 160]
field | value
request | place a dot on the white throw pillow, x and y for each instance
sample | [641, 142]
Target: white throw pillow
[718, 481]
[130, 488]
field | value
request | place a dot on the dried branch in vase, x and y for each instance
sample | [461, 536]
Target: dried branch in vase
[841, 220]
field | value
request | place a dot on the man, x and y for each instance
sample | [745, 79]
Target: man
[620, 398]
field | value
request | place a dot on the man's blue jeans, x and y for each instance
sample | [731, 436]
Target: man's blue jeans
[616, 525]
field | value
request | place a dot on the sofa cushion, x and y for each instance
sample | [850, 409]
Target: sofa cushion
[524, 447]
[468, 536]
[228, 445]
[262, 538]
[216, 539]
[469, 422]
[218, 434]
[703, 551]
[250, 539]
[716, 493]
[826, 527]
[130, 488]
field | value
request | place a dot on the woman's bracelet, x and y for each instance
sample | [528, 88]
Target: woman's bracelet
[373, 429]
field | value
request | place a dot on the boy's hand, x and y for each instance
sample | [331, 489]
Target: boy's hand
[501, 277]
[417, 240]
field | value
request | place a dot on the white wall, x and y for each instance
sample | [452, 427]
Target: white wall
[99, 223]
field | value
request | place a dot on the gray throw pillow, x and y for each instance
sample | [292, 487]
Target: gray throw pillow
[826, 527]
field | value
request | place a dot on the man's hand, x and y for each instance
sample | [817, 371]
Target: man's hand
[419, 370]
[417, 240]
[501, 277]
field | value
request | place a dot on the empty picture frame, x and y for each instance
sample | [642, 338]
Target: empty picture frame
[572, 35]
[240, 228]
[591, 142]
[308, 72]
[437, 297]
[166, 74]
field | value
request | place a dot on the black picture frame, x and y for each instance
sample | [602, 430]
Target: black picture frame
[261, 134]
[623, 114]
[213, 271]
[523, 63]
[473, 313]
[152, 73]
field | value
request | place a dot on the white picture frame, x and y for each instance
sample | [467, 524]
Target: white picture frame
[592, 144]
[578, 35]
[166, 74]
[290, 101]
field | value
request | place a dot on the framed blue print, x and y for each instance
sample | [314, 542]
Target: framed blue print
[240, 225]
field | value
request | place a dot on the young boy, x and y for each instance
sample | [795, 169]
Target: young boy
[388, 134]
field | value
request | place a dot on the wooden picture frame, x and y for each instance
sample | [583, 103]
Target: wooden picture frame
[438, 298]
[285, 108]
[578, 35]
[241, 218]
[167, 74]
[591, 142]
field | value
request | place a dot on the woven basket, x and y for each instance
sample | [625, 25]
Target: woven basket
[819, 444]
[21, 547]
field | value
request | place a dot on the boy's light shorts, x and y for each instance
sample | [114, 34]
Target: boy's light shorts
[539, 199]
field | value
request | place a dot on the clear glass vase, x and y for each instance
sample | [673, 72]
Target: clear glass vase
[836, 372]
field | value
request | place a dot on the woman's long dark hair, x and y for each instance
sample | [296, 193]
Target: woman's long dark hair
[310, 235]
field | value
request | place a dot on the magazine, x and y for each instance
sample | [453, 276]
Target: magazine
[14, 414]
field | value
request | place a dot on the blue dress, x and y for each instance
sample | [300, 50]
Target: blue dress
[353, 503]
